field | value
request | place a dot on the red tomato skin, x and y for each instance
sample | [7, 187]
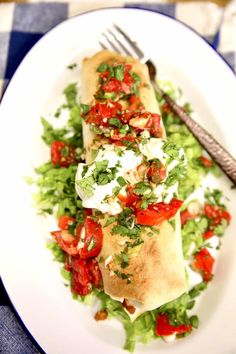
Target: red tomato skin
[185, 216]
[164, 328]
[94, 272]
[203, 262]
[65, 221]
[69, 247]
[216, 214]
[208, 234]
[57, 157]
[206, 162]
[155, 214]
[154, 126]
[135, 103]
[100, 113]
[93, 231]
[80, 276]
[115, 85]
[156, 172]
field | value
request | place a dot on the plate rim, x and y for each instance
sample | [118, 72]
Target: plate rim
[67, 20]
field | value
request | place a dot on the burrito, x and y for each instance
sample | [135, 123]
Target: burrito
[130, 181]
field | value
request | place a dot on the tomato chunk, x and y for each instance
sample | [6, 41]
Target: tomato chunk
[185, 216]
[80, 277]
[208, 234]
[203, 262]
[154, 125]
[216, 214]
[100, 113]
[62, 154]
[135, 103]
[164, 328]
[67, 242]
[206, 162]
[93, 239]
[94, 272]
[65, 222]
[156, 172]
[155, 214]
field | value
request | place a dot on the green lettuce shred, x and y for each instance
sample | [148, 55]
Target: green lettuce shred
[56, 193]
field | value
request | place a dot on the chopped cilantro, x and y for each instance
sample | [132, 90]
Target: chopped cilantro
[119, 72]
[115, 122]
[110, 220]
[116, 190]
[123, 275]
[86, 185]
[102, 68]
[85, 170]
[85, 108]
[91, 245]
[142, 188]
[122, 182]
[72, 66]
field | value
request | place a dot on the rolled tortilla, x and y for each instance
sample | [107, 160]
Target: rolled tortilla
[157, 265]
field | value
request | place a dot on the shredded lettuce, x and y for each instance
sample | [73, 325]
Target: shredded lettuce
[56, 193]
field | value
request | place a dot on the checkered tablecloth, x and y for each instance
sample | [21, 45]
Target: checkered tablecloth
[22, 25]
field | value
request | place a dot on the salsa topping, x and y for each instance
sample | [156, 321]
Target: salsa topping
[62, 154]
[117, 81]
[203, 262]
[164, 328]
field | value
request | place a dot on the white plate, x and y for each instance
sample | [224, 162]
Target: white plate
[32, 279]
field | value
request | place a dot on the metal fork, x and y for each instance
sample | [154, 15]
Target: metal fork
[117, 40]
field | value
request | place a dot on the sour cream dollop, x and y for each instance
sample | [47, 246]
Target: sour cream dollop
[102, 196]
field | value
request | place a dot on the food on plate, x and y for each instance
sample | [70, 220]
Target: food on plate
[119, 181]
[132, 182]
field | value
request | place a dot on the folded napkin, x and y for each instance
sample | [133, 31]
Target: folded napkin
[23, 24]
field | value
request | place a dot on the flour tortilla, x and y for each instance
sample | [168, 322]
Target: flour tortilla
[156, 266]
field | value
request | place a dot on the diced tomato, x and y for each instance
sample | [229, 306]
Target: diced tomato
[69, 246]
[185, 216]
[80, 277]
[156, 172]
[206, 162]
[154, 125]
[93, 239]
[65, 222]
[62, 154]
[203, 262]
[166, 108]
[113, 85]
[164, 328]
[208, 234]
[130, 199]
[155, 214]
[100, 113]
[87, 212]
[85, 272]
[121, 140]
[94, 272]
[216, 214]
[135, 103]
[120, 86]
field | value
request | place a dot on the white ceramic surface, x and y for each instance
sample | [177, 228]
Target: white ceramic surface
[59, 324]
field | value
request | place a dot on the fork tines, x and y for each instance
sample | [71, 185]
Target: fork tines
[117, 40]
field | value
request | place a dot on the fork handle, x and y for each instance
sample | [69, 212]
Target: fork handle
[226, 161]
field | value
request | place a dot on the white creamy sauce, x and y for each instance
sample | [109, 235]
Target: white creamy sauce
[100, 198]
[103, 197]
[153, 150]
[194, 278]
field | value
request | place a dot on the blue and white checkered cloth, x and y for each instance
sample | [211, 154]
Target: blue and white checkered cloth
[22, 25]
